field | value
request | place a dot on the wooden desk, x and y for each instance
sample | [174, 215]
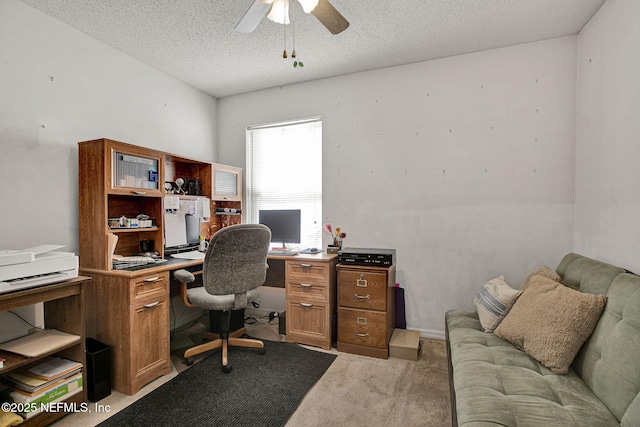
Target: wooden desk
[126, 309]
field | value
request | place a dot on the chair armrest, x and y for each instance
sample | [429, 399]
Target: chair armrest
[184, 276]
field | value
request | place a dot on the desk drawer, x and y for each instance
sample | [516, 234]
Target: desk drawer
[308, 271]
[151, 286]
[299, 290]
[308, 323]
[363, 290]
[362, 327]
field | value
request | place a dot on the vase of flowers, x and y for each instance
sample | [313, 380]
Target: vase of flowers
[337, 235]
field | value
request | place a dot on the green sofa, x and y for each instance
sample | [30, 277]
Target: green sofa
[493, 383]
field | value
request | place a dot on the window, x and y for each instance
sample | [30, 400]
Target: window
[284, 171]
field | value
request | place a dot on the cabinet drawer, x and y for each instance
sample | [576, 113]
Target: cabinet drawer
[151, 286]
[308, 271]
[362, 289]
[362, 327]
[299, 290]
[307, 321]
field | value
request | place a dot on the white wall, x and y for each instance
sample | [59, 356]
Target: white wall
[59, 86]
[607, 225]
[465, 165]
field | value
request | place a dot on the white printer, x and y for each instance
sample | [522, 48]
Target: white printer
[40, 265]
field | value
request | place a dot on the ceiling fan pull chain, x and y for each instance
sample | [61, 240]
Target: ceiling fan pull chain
[284, 32]
[296, 63]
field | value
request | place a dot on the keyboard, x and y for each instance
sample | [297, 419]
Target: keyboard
[189, 255]
[287, 252]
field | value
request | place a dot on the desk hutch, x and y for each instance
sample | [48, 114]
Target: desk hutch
[129, 310]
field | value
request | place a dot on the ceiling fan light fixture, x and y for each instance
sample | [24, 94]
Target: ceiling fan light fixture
[308, 5]
[279, 12]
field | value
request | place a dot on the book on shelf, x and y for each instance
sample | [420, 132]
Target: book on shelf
[39, 343]
[29, 385]
[1, 362]
[50, 392]
[48, 374]
[63, 390]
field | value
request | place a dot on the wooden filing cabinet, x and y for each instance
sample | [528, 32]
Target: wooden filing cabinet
[311, 300]
[132, 316]
[366, 309]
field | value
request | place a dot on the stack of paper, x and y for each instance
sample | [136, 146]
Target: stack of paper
[48, 382]
[39, 343]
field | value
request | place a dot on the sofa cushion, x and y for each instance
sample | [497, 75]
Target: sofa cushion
[494, 301]
[497, 384]
[550, 322]
[609, 363]
[540, 271]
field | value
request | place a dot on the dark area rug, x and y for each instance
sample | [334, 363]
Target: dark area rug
[259, 391]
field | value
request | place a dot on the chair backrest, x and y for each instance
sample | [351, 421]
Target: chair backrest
[236, 260]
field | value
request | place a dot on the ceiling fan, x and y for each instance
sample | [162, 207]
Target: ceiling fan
[278, 11]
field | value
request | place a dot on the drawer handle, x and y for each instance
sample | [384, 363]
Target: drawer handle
[306, 304]
[152, 279]
[151, 305]
[305, 265]
[306, 285]
[361, 320]
[362, 335]
[362, 297]
[141, 193]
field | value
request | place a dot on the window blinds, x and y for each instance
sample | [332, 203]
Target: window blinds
[284, 171]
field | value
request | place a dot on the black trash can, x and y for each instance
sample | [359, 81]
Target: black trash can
[98, 370]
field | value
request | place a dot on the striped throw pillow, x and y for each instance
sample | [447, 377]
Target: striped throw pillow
[494, 301]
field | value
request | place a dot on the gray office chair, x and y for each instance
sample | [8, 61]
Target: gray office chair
[235, 265]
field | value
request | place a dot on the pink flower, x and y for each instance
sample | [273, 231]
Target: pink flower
[329, 229]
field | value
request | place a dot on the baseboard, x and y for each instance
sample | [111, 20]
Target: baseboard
[430, 333]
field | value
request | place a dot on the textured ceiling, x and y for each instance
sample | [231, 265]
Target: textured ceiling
[194, 40]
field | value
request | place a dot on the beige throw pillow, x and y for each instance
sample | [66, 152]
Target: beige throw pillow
[550, 322]
[494, 301]
[540, 271]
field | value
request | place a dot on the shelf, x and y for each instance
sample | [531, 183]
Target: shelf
[63, 310]
[188, 196]
[132, 229]
[14, 360]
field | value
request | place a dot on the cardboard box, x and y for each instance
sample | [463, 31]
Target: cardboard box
[405, 344]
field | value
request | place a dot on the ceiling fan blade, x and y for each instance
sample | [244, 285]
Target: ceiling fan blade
[253, 16]
[330, 17]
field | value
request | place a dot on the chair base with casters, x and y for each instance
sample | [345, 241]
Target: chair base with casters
[225, 338]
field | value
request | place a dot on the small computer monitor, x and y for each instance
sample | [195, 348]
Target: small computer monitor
[283, 223]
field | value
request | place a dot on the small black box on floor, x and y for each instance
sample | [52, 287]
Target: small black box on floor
[282, 323]
[237, 320]
[98, 370]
